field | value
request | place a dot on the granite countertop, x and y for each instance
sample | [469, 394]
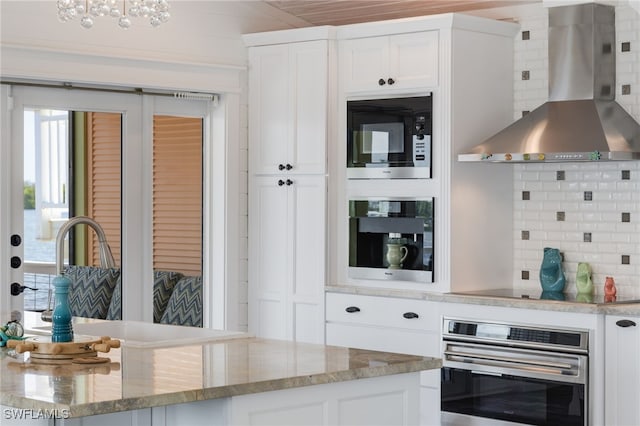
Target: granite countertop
[522, 303]
[140, 378]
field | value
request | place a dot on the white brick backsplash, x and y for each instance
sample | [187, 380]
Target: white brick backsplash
[610, 194]
[601, 217]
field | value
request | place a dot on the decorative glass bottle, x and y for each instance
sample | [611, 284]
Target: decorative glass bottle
[552, 277]
[609, 290]
[584, 283]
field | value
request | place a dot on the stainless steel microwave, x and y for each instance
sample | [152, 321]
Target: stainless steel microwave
[389, 138]
[391, 239]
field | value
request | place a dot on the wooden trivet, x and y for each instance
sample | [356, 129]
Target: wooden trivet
[44, 351]
[90, 360]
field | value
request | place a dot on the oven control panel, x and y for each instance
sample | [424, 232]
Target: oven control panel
[515, 334]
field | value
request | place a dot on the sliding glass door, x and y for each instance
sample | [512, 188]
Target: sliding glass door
[132, 162]
[71, 167]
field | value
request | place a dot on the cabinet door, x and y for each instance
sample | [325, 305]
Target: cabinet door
[269, 108]
[413, 60]
[269, 257]
[307, 226]
[386, 400]
[363, 62]
[401, 61]
[288, 108]
[308, 106]
[287, 257]
[622, 371]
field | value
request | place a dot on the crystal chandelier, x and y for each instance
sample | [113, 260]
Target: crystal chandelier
[157, 11]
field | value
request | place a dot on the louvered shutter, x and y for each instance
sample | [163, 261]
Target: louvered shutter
[104, 143]
[177, 194]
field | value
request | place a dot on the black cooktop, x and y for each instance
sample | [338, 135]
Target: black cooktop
[510, 293]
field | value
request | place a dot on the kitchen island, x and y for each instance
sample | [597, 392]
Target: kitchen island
[230, 381]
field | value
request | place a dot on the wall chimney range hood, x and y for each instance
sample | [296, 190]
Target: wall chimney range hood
[581, 121]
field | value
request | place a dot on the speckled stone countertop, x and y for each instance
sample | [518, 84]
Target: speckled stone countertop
[522, 303]
[140, 378]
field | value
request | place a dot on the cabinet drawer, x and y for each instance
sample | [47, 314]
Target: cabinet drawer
[383, 311]
[410, 342]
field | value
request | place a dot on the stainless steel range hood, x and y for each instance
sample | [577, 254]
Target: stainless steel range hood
[581, 121]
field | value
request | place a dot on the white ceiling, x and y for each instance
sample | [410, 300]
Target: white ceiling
[342, 12]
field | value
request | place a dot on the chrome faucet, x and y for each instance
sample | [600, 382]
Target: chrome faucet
[106, 258]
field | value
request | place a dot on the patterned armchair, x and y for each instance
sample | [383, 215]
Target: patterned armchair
[91, 290]
[185, 305]
[97, 293]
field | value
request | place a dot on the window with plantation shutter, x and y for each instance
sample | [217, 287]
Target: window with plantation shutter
[177, 194]
[103, 174]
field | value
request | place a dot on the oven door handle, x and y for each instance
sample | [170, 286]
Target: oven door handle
[470, 357]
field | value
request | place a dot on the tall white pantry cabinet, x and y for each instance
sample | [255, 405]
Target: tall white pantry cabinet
[299, 82]
[289, 82]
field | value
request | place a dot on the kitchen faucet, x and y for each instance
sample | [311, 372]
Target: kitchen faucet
[106, 258]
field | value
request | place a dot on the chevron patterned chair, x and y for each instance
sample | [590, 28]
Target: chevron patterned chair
[97, 293]
[163, 284]
[115, 306]
[185, 304]
[91, 290]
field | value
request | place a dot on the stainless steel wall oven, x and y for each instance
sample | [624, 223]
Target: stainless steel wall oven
[389, 138]
[391, 239]
[503, 374]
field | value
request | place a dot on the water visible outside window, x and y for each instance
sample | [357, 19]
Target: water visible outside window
[45, 199]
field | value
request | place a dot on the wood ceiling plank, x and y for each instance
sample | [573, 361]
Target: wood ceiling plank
[341, 12]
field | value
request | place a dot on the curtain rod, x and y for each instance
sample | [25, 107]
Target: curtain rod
[195, 96]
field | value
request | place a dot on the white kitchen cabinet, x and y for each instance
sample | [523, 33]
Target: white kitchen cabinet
[409, 326]
[622, 370]
[386, 400]
[288, 108]
[466, 63]
[391, 400]
[289, 83]
[390, 324]
[399, 61]
[287, 257]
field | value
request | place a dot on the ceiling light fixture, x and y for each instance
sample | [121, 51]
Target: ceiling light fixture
[157, 11]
